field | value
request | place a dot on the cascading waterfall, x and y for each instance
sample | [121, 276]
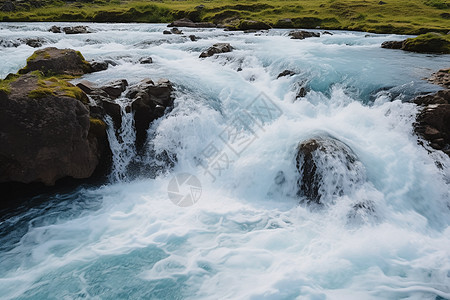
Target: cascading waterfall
[383, 234]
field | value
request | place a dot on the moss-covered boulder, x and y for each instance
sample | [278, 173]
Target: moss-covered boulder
[54, 61]
[428, 43]
[47, 132]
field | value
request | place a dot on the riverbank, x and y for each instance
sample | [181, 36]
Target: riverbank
[390, 16]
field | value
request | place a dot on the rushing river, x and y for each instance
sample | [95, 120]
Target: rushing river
[248, 236]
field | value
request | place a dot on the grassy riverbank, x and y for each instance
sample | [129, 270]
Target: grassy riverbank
[387, 16]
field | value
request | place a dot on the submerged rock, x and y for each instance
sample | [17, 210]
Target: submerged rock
[99, 66]
[216, 49]
[328, 168]
[34, 42]
[302, 34]
[77, 30]
[146, 60]
[176, 31]
[55, 29]
[286, 73]
[392, 44]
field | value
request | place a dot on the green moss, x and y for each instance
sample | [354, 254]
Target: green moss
[428, 43]
[40, 92]
[97, 127]
[5, 84]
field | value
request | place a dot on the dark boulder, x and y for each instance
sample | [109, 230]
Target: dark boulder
[105, 103]
[302, 34]
[286, 73]
[216, 49]
[193, 38]
[149, 101]
[55, 29]
[115, 88]
[146, 60]
[167, 32]
[328, 168]
[176, 31]
[57, 62]
[392, 44]
[34, 42]
[46, 136]
[99, 66]
[433, 121]
[77, 30]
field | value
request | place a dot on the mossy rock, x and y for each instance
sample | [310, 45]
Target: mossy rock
[97, 127]
[57, 86]
[53, 61]
[428, 43]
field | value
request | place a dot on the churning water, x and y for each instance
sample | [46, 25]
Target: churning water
[247, 236]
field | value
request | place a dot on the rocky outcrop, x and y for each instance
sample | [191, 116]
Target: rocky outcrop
[431, 42]
[57, 61]
[433, 121]
[47, 132]
[149, 102]
[216, 49]
[328, 168]
[302, 34]
[392, 44]
[188, 23]
[441, 77]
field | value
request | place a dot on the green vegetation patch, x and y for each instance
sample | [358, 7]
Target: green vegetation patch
[97, 127]
[5, 84]
[429, 43]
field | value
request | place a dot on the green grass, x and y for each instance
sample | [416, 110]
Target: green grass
[396, 16]
[5, 84]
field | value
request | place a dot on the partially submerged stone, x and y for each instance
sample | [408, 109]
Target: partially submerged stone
[216, 49]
